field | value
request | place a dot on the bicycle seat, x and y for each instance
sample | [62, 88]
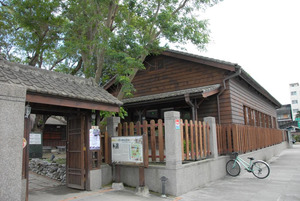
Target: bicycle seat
[251, 158]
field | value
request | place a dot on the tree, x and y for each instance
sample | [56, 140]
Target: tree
[31, 29]
[149, 21]
[298, 114]
[120, 34]
[99, 38]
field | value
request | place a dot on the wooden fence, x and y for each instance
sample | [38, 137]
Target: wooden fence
[195, 140]
[242, 138]
[155, 132]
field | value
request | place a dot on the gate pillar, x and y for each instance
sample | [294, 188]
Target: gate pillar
[12, 107]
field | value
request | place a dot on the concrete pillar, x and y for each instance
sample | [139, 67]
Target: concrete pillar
[290, 139]
[173, 140]
[95, 179]
[212, 136]
[112, 124]
[12, 107]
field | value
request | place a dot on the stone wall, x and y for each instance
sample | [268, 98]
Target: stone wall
[48, 169]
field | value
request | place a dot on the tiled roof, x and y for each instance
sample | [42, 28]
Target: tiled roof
[202, 57]
[54, 83]
[161, 96]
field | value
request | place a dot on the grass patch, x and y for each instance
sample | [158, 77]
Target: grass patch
[60, 161]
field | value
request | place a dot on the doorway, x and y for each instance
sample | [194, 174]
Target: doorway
[76, 156]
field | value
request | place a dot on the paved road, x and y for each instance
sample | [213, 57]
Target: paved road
[283, 184]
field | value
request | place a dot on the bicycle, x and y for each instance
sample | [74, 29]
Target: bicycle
[259, 168]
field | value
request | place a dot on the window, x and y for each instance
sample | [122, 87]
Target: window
[253, 117]
[152, 114]
[294, 101]
[295, 110]
[293, 93]
[294, 85]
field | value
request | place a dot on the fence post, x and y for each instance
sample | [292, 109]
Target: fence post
[112, 124]
[173, 140]
[212, 135]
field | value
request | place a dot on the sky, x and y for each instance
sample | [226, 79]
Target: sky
[262, 36]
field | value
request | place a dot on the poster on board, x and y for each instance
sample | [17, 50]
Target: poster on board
[35, 138]
[95, 138]
[127, 150]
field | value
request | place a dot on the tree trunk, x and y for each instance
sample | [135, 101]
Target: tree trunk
[39, 123]
[100, 63]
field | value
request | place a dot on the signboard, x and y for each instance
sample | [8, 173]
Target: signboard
[35, 138]
[35, 145]
[95, 138]
[298, 120]
[177, 124]
[127, 150]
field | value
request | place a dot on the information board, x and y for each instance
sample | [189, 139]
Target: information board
[35, 138]
[95, 138]
[127, 150]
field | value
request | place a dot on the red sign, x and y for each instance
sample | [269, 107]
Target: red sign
[177, 124]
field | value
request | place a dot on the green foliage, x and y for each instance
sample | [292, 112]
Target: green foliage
[98, 39]
[297, 138]
[298, 114]
[33, 30]
[184, 145]
[122, 114]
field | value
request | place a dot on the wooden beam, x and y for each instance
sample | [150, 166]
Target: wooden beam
[74, 103]
[37, 108]
[210, 93]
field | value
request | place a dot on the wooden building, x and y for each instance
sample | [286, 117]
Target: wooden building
[55, 132]
[199, 87]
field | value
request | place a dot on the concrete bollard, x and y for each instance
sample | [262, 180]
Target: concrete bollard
[173, 140]
[213, 136]
[163, 180]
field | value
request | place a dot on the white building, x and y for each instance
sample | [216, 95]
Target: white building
[295, 98]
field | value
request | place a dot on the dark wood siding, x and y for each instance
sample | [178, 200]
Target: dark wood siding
[208, 108]
[165, 74]
[225, 106]
[241, 94]
[54, 135]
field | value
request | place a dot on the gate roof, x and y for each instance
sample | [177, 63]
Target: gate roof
[54, 88]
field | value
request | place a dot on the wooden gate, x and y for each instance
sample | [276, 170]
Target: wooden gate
[75, 153]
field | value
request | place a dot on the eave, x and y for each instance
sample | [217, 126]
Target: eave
[72, 103]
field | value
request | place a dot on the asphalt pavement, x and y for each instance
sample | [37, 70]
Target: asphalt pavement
[283, 184]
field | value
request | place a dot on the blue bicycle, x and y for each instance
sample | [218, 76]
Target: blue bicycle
[259, 168]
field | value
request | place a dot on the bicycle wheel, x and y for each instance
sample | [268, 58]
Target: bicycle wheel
[260, 169]
[233, 168]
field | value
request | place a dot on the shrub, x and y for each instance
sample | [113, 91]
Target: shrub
[297, 138]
